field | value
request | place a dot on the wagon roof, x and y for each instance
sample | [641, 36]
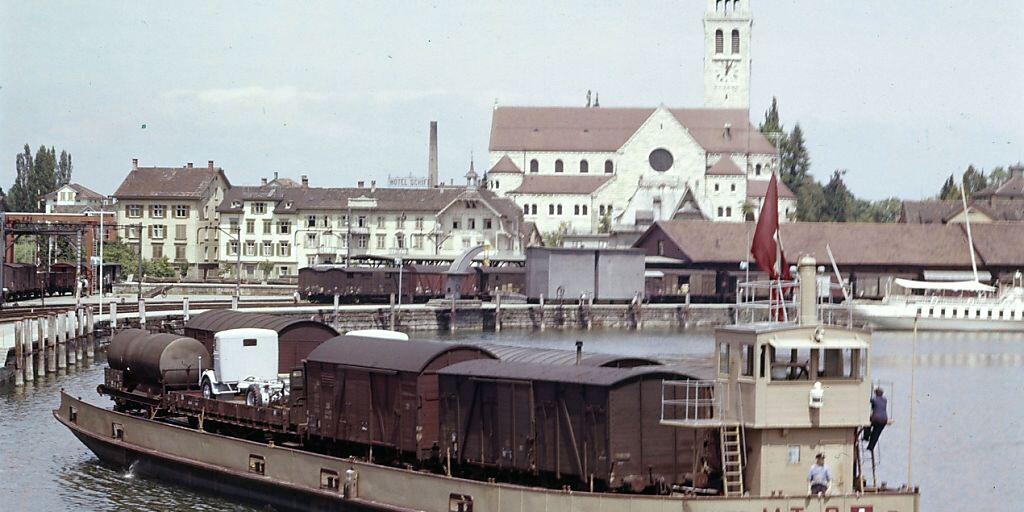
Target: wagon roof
[222, 319]
[385, 354]
[586, 375]
[562, 357]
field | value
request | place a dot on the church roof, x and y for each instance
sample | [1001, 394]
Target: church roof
[560, 184]
[505, 164]
[607, 129]
[758, 188]
[688, 208]
[725, 166]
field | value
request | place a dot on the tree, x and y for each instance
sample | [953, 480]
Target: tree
[998, 176]
[266, 266]
[64, 167]
[839, 202]
[949, 189]
[810, 201]
[796, 160]
[604, 224]
[557, 237]
[771, 124]
[3, 200]
[19, 199]
[748, 210]
[43, 178]
[973, 180]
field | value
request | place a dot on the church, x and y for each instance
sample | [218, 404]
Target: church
[600, 175]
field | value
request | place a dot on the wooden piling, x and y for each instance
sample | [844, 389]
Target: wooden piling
[142, 314]
[41, 347]
[113, 317]
[69, 335]
[542, 312]
[391, 312]
[234, 302]
[19, 354]
[184, 310]
[451, 317]
[51, 343]
[590, 312]
[28, 335]
[62, 340]
[497, 312]
[79, 335]
[90, 334]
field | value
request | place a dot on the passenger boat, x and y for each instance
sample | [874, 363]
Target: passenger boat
[402, 425]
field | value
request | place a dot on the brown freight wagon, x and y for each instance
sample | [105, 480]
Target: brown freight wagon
[297, 337]
[513, 354]
[380, 392]
[578, 424]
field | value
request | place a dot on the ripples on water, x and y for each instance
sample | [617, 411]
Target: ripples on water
[968, 428]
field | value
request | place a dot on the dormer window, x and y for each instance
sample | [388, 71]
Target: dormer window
[236, 204]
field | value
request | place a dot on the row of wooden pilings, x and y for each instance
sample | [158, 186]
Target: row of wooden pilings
[51, 343]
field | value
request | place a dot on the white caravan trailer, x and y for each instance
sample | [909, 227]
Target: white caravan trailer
[244, 362]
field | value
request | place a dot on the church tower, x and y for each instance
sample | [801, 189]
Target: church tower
[727, 25]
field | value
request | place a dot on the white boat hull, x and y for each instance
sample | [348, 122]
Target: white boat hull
[901, 317]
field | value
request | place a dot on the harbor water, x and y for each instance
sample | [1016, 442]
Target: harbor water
[968, 424]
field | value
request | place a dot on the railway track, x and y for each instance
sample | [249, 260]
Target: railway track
[19, 312]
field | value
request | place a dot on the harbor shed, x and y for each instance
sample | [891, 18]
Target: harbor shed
[569, 273]
[296, 336]
[380, 392]
[579, 424]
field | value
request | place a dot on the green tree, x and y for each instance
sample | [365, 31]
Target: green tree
[43, 178]
[973, 180]
[771, 124]
[949, 190]
[839, 202]
[748, 210]
[604, 224]
[998, 176]
[64, 167]
[20, 198]
[266, 267]
[810, 201]
[557, 237]
[158, 267]
[796, 160]
[3, 200]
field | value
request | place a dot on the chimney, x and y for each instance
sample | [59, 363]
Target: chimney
[135, 164]
[359, 184]
[373, 185]
[728, 131]
[305, 180]
[263, 181]
[579, 352]
[432, 158]
[189, 165]
[209, 164]
[275, 175]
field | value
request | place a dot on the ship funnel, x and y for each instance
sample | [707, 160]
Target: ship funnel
[808, 290]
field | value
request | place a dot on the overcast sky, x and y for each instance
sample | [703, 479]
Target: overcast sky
[899, 93]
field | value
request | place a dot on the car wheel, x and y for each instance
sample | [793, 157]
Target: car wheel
[208, 389]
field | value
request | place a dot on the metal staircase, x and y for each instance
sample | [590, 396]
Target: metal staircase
[731, 437]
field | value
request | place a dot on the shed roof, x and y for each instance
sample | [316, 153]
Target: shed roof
[383, 354]
[563, 357]
[725, 166]
[216, 320]
[586, 375]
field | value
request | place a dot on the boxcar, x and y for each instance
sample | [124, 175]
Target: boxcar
[512, 354]
[380, 392]
[61, 279]
[297, 337]
[578, 424]
[21, 281]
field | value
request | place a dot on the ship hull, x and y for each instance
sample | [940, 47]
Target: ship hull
[218, 464]
[902, 318]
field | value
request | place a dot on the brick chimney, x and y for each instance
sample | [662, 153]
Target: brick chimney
[305, 180]
[373, 185]
[135, 164]
[432, 158]
[359, 184]
[189, 165]
[209, 164]
[263, 181]
[275, 175]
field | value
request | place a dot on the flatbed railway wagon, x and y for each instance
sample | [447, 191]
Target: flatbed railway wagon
[593, 427]
[379, 392]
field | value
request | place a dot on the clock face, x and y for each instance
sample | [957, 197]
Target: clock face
[728, 70]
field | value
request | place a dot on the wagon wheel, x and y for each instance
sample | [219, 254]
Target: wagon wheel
[208, 389]
[253, 398]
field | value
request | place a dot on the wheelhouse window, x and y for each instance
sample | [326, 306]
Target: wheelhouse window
[329, 480]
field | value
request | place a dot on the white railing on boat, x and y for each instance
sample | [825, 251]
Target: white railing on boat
[778, 301]
[691, 403]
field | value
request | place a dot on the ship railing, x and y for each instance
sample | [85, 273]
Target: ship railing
[778, 301]
[692, 403]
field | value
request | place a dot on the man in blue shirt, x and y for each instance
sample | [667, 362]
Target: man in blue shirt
[879, 417]
[819, 478]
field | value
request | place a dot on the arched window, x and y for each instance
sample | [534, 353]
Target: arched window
[576, 209]
[534, 209]
[559, 166]
[719, 41]
[600, 210]
[584, 209]
[735, 5]
[609, 167]
[718, 5]
[584, 166]
[526, 209]
[716, 187]
[732, 188]
[735, 41]
[757, 169]
[559, 209]
[728, 212]
[551, 209]
[720, 211]
[534, 166]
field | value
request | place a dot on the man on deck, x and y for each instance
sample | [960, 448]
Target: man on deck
[819, 478]
[879, 417]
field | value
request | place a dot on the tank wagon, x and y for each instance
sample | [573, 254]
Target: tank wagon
[297, 337]
[150, 364]
[596, 426]
[379, 392]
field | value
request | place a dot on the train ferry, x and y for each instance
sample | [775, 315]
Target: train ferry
[377, 423]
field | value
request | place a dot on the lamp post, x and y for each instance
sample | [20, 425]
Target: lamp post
[103, 235]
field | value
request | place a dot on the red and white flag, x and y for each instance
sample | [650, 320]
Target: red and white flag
[767, 247]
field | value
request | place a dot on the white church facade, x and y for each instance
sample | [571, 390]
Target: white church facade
[594, 170]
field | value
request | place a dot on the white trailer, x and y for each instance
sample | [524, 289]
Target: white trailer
[244, 362]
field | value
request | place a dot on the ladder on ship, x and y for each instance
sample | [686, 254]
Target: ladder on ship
[866, 460]
[731, 440]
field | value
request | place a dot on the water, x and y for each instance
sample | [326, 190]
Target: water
[968, 437]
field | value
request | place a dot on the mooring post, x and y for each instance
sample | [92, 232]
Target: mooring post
[542, 311]
[62, 346]
[41, 347]
[28, 334]
[90, 334]
[497, 312]
[113, 317]
[639, 312]
[391, 309]
[184, 309]
[142, 314]
[590, 312]
[234, 302]
[80, 334]
[69, 324]
[51, 343]
[451, 317]
[19, 361]
[337, 300]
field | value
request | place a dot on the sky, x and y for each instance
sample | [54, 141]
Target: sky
[900, 94]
